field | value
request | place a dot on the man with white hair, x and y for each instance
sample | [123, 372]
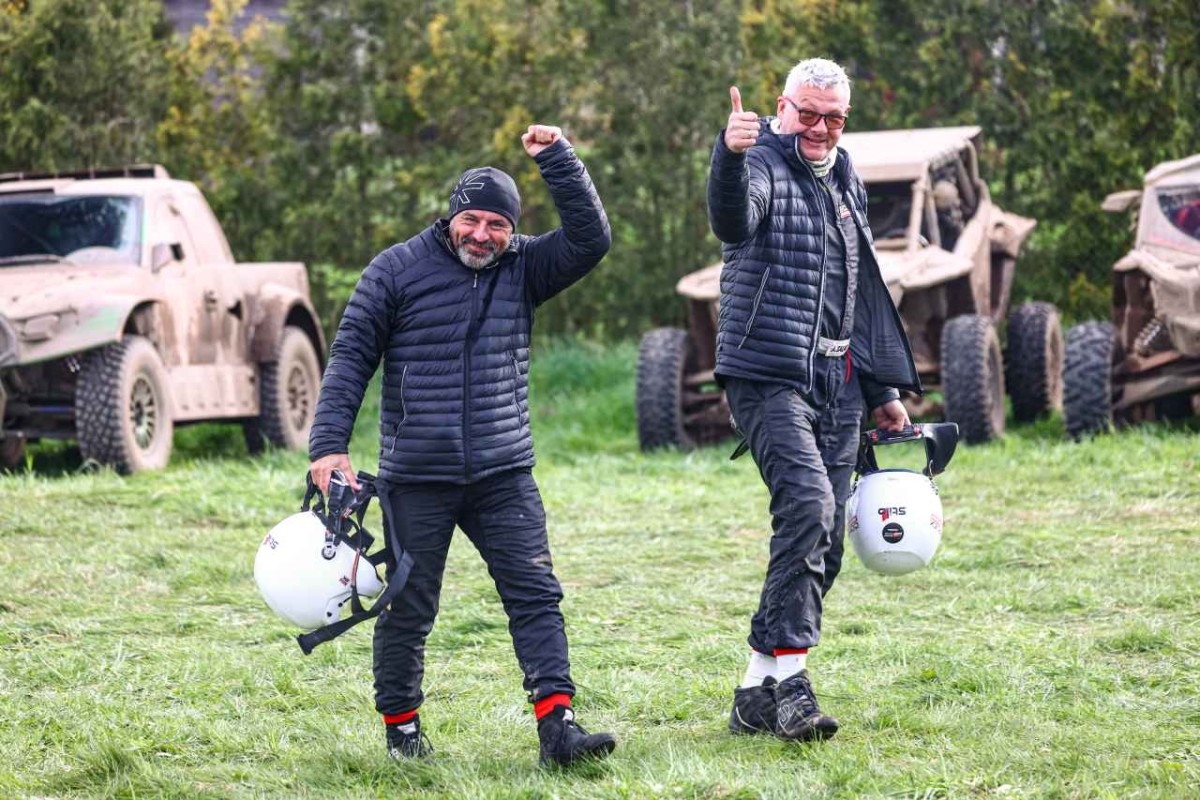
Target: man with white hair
[803, 309]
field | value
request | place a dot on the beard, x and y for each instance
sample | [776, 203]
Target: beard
[475, 261]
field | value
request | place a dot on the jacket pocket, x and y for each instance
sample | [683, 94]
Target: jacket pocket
[762, 287]
[403, 410]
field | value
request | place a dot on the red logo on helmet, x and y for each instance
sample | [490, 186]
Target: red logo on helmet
[890, 511]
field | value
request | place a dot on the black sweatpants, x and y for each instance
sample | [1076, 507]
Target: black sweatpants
[806, 456]
[504, 518]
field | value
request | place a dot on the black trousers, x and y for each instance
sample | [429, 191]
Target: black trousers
[806, 456]
[504, 518]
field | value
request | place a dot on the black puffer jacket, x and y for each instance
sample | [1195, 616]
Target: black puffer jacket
[765, 206]
[455, 341]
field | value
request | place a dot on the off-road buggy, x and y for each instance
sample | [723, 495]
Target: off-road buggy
[122, 314]
[947, 254]
[1145, 363]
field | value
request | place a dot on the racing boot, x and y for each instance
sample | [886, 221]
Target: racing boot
[564, 742]
[405, 740]
[754, 708]
[797, 714]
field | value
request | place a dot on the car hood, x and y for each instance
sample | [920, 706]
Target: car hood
[27, 291]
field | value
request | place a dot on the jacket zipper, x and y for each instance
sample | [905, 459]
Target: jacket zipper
[762, 286]
[467, 380]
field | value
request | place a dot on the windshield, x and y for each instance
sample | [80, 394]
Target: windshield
[888, 206]
[76, 228]
[1181, 205]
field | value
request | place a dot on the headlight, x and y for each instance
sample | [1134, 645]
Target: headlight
[40, 328]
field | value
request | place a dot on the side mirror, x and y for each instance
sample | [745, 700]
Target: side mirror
[163, 254]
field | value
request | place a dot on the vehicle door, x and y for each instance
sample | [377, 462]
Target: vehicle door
[176, 274]
[224, 305]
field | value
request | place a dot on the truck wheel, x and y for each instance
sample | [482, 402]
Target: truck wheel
[12, 452]
[123, 415]
[973, 378]
[662, 361]
[1088, 400]
[1034, 361]
[287, 395]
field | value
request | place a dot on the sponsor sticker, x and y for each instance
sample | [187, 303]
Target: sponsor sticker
[893, 532]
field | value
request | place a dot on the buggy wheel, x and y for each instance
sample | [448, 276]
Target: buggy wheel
[1088, 389]
[662, 362]
[288, 390]
[973, 377]
[1034, 361]
[123, 413]
[678, 405]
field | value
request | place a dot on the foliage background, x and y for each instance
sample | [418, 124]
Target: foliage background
[332, 135]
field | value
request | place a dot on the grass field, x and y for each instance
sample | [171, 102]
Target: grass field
[1053, 649]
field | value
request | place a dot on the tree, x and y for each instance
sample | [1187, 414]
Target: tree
[83, 82]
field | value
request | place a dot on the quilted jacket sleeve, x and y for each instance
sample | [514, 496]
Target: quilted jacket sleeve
[875, 393]
[555, 260]
[739, 193]
[353, 358]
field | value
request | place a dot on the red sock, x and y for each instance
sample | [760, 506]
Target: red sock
[399, 719]
[547, 704]
[790, 651]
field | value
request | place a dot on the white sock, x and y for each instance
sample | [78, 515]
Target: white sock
[761, 667]
[789, 665]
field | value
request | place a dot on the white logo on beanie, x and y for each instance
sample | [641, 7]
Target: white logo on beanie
[468, 183]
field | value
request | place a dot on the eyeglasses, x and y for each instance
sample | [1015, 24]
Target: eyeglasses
[833, 122]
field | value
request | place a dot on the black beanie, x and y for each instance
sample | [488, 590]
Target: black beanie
[487, 189]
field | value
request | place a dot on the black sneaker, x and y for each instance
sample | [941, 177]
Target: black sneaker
[405, 740]
[797, 713]
[754, 708]
[564, 742]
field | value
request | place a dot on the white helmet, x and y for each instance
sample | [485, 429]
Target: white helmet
[306, 577]
[894, 516]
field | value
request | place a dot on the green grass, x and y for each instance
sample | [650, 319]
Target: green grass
[1053, 649]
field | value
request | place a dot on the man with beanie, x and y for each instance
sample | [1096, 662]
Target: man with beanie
[807, 337]
[449, 313]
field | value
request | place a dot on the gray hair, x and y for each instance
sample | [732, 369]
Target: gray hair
[820, 73]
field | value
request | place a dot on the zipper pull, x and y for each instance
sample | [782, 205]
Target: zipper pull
[476, 286]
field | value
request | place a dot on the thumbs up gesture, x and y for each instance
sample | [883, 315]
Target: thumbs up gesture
[741, 132]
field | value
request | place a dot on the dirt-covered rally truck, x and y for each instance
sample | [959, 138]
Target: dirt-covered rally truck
[1145, 363]
[947, 254]
[123, 314]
